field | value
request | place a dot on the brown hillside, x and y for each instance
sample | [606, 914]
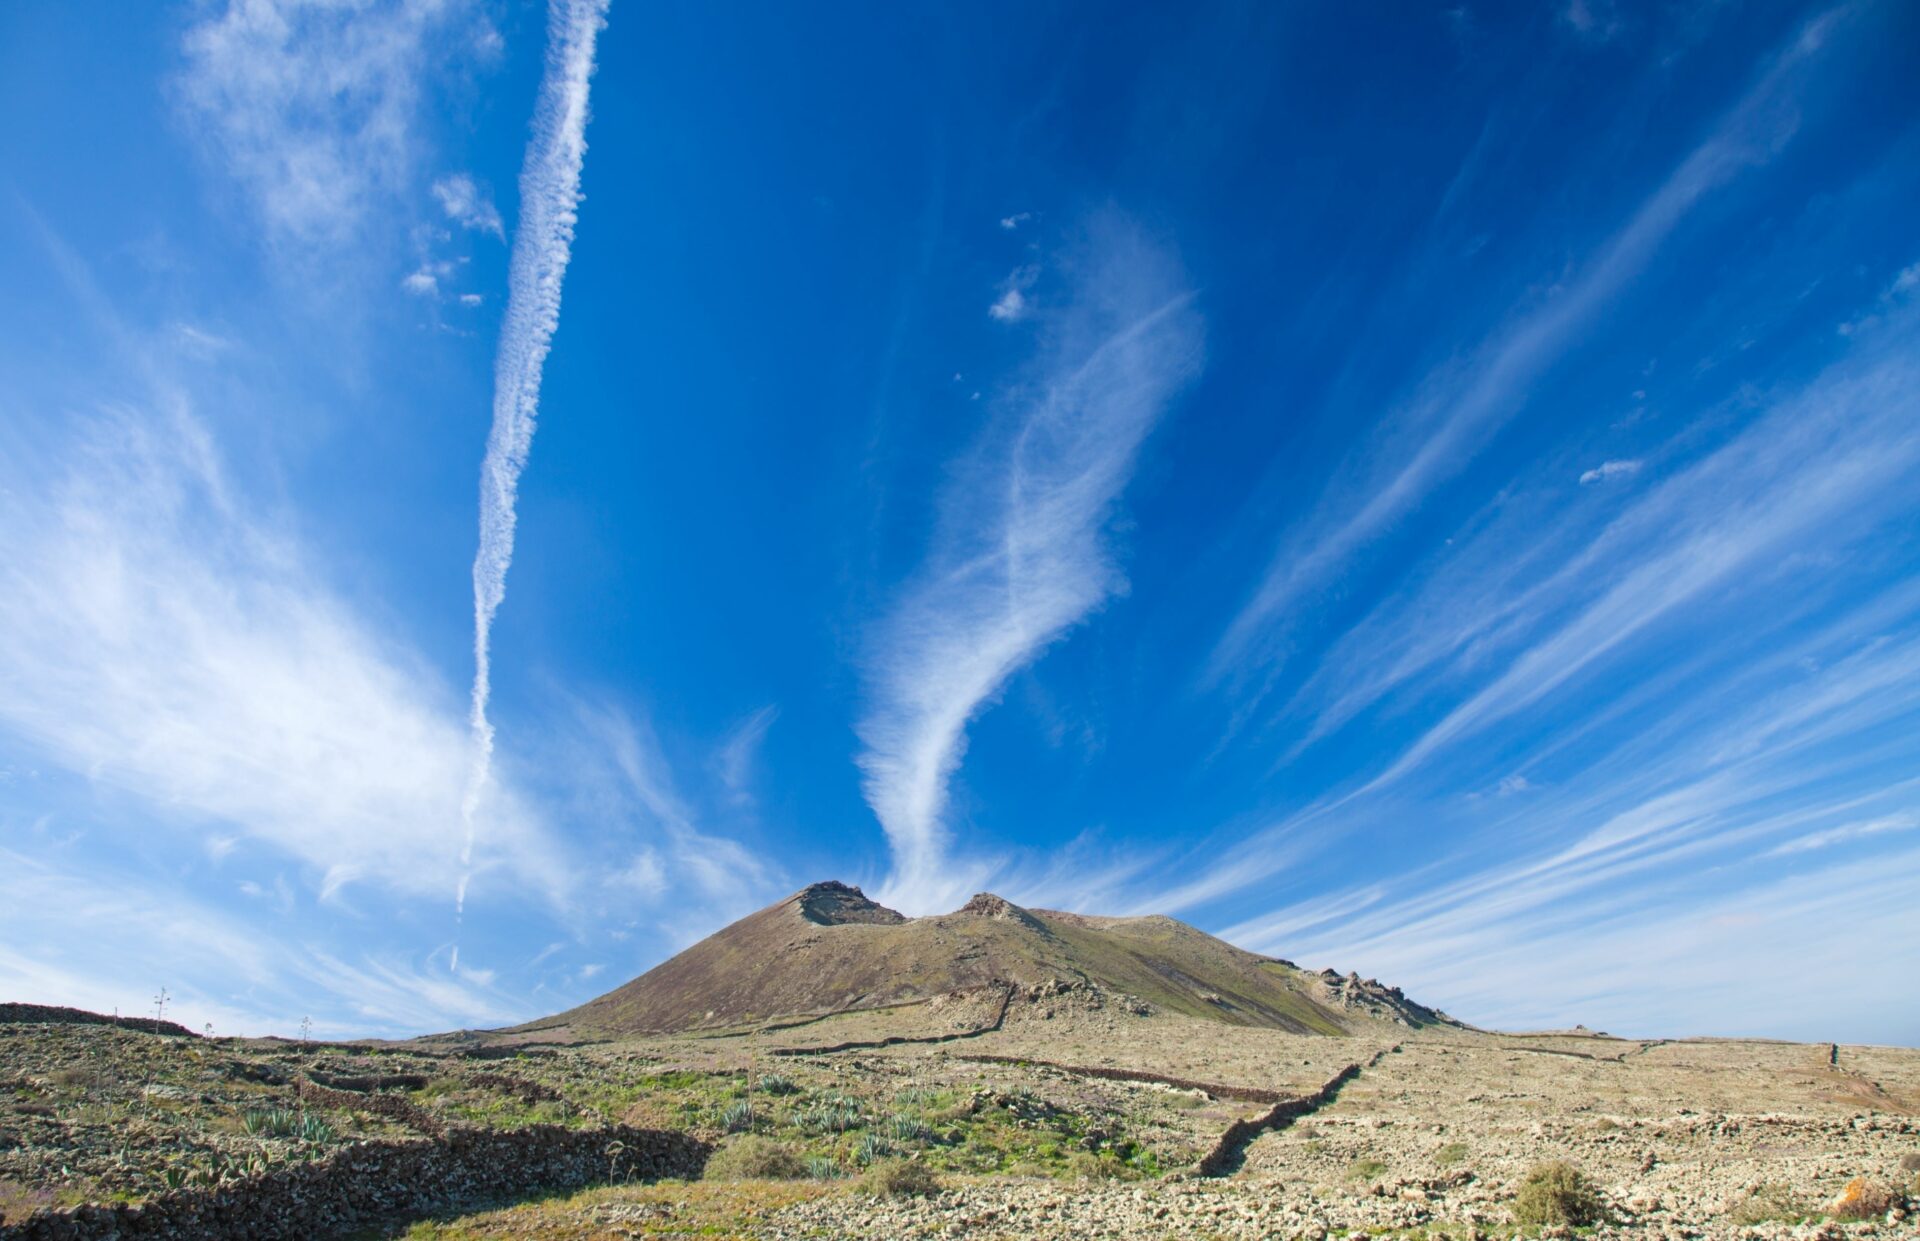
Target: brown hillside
[828, 949]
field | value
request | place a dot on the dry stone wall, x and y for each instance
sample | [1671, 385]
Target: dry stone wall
[1244, 1094]
[377, 1181]
[1230, 1151]
[48, 1014]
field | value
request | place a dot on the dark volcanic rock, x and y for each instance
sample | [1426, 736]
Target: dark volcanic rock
[836, 904]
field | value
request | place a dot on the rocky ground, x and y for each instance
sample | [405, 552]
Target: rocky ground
[1024, 1130]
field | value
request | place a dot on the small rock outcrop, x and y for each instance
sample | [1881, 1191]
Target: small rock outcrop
[837, 904]
[1374, 998]
[987, 905]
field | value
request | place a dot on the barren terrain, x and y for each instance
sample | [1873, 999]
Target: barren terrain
[1242, 1098]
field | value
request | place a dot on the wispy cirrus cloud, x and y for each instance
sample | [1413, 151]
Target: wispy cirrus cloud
[1565, 616]
[1812, 470]
[542, 247]
[107, 940]
[314, 108]
[1456, 409]
[1632, 866]
[1021, 555]
[168, 642]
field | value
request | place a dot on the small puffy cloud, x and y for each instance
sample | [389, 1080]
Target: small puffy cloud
[1012, 304]
[1607, 471]
[1513, 784]
[422, 283]
[470, 299]
[1011, 222]
[468, 205]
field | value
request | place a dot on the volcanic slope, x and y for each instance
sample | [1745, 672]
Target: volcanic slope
[828, 949]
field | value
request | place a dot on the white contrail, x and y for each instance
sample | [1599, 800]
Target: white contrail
[542, 244]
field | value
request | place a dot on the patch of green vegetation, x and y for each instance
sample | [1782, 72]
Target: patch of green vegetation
[1768, 1204]
[1365, 1169]
[900, 1178]
[678, 1079]
[1106, 1166]
[496, 1111]
[1450, 1154]
[1556, 1193]
[750, 1157]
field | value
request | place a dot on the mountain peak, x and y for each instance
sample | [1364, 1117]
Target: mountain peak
[987, 905]
[828, 949]
[833, 903]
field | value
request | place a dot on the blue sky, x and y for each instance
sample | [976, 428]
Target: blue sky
[1429, 493]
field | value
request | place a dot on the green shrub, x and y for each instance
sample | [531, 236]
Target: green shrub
[1556, 1193]
[900, 1178]
[1087, 1166]
[751, 1157]
[1766, 1204]
[1365, 1169]
[1450, 1154]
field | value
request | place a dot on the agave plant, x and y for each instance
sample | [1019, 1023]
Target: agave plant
[271, 1122]
[313, 1128]
[738, 1117]
[822, 1168]
[833, 1114]
[872, 1146]
[774, 1083]
[906, 1127]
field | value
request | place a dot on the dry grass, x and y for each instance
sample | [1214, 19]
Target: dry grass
[750, 1157]
[1556, 1193]
[1768, 1204]
[900, 1178]
[709, 1209]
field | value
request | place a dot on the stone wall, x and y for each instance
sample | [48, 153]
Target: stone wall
[1230, 1151]
[394, 1107]
[1220, 1090]
[34, 1014]
[377, 1181]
